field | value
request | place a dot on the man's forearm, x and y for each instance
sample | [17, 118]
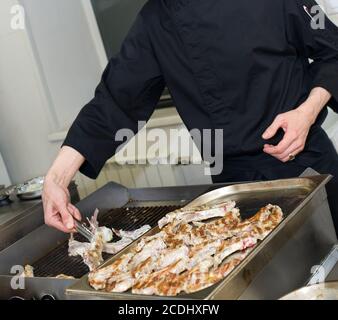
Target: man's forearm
[65, 166]
[317, 100]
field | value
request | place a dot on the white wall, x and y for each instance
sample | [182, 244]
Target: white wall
[70, 65]
[47, 72]
[24, 123]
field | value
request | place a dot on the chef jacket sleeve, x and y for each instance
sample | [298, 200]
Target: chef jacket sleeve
[129, 90]
[317, 40]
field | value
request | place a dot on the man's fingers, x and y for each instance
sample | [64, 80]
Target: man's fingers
[272, 130]
[74, 211]
[58, 224]
[294, 150]
[53, 218]
[67, 218]
[281, 148]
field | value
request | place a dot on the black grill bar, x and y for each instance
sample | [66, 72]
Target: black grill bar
[127, 218]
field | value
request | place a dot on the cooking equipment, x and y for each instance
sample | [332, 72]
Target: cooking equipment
[278, 266]
[57, 261]
[35, 289]
[31, 189]
[307, 218]
[83, 230]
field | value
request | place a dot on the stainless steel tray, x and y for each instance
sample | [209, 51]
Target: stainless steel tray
[30, 195]
[290, 194]
[24, 192]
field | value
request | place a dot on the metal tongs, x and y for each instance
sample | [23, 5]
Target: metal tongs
[83, 230]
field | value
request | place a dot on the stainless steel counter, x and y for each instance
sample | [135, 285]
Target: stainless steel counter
[15, 210]
[18, 219]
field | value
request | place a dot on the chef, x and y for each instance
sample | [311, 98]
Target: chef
[240, 66]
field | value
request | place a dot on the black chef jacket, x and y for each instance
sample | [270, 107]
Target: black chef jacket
[232, 66]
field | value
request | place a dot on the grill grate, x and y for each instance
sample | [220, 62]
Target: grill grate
[128, 218]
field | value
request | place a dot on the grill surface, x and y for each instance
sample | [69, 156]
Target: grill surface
[127, 218]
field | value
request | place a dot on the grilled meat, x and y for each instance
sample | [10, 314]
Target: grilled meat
[28, 272]
[132, 234]
[98, 279]
[188, 255]
[91, 253]
[197, 214]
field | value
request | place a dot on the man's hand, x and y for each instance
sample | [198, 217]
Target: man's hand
[296, 124]
[59, 212]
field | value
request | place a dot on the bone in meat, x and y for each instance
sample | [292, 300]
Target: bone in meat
[148, 285]
[76, 248]
[197, 214]
[233, 245]
[92, 252]
[152, 248]
[132, 234]
[202, 278]
[28, 272]
[168, 257]
[190, 258]
[120, 283]
[93, 256]
[98, 278]
[158, 262]
[94, 227]
[115, 247]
